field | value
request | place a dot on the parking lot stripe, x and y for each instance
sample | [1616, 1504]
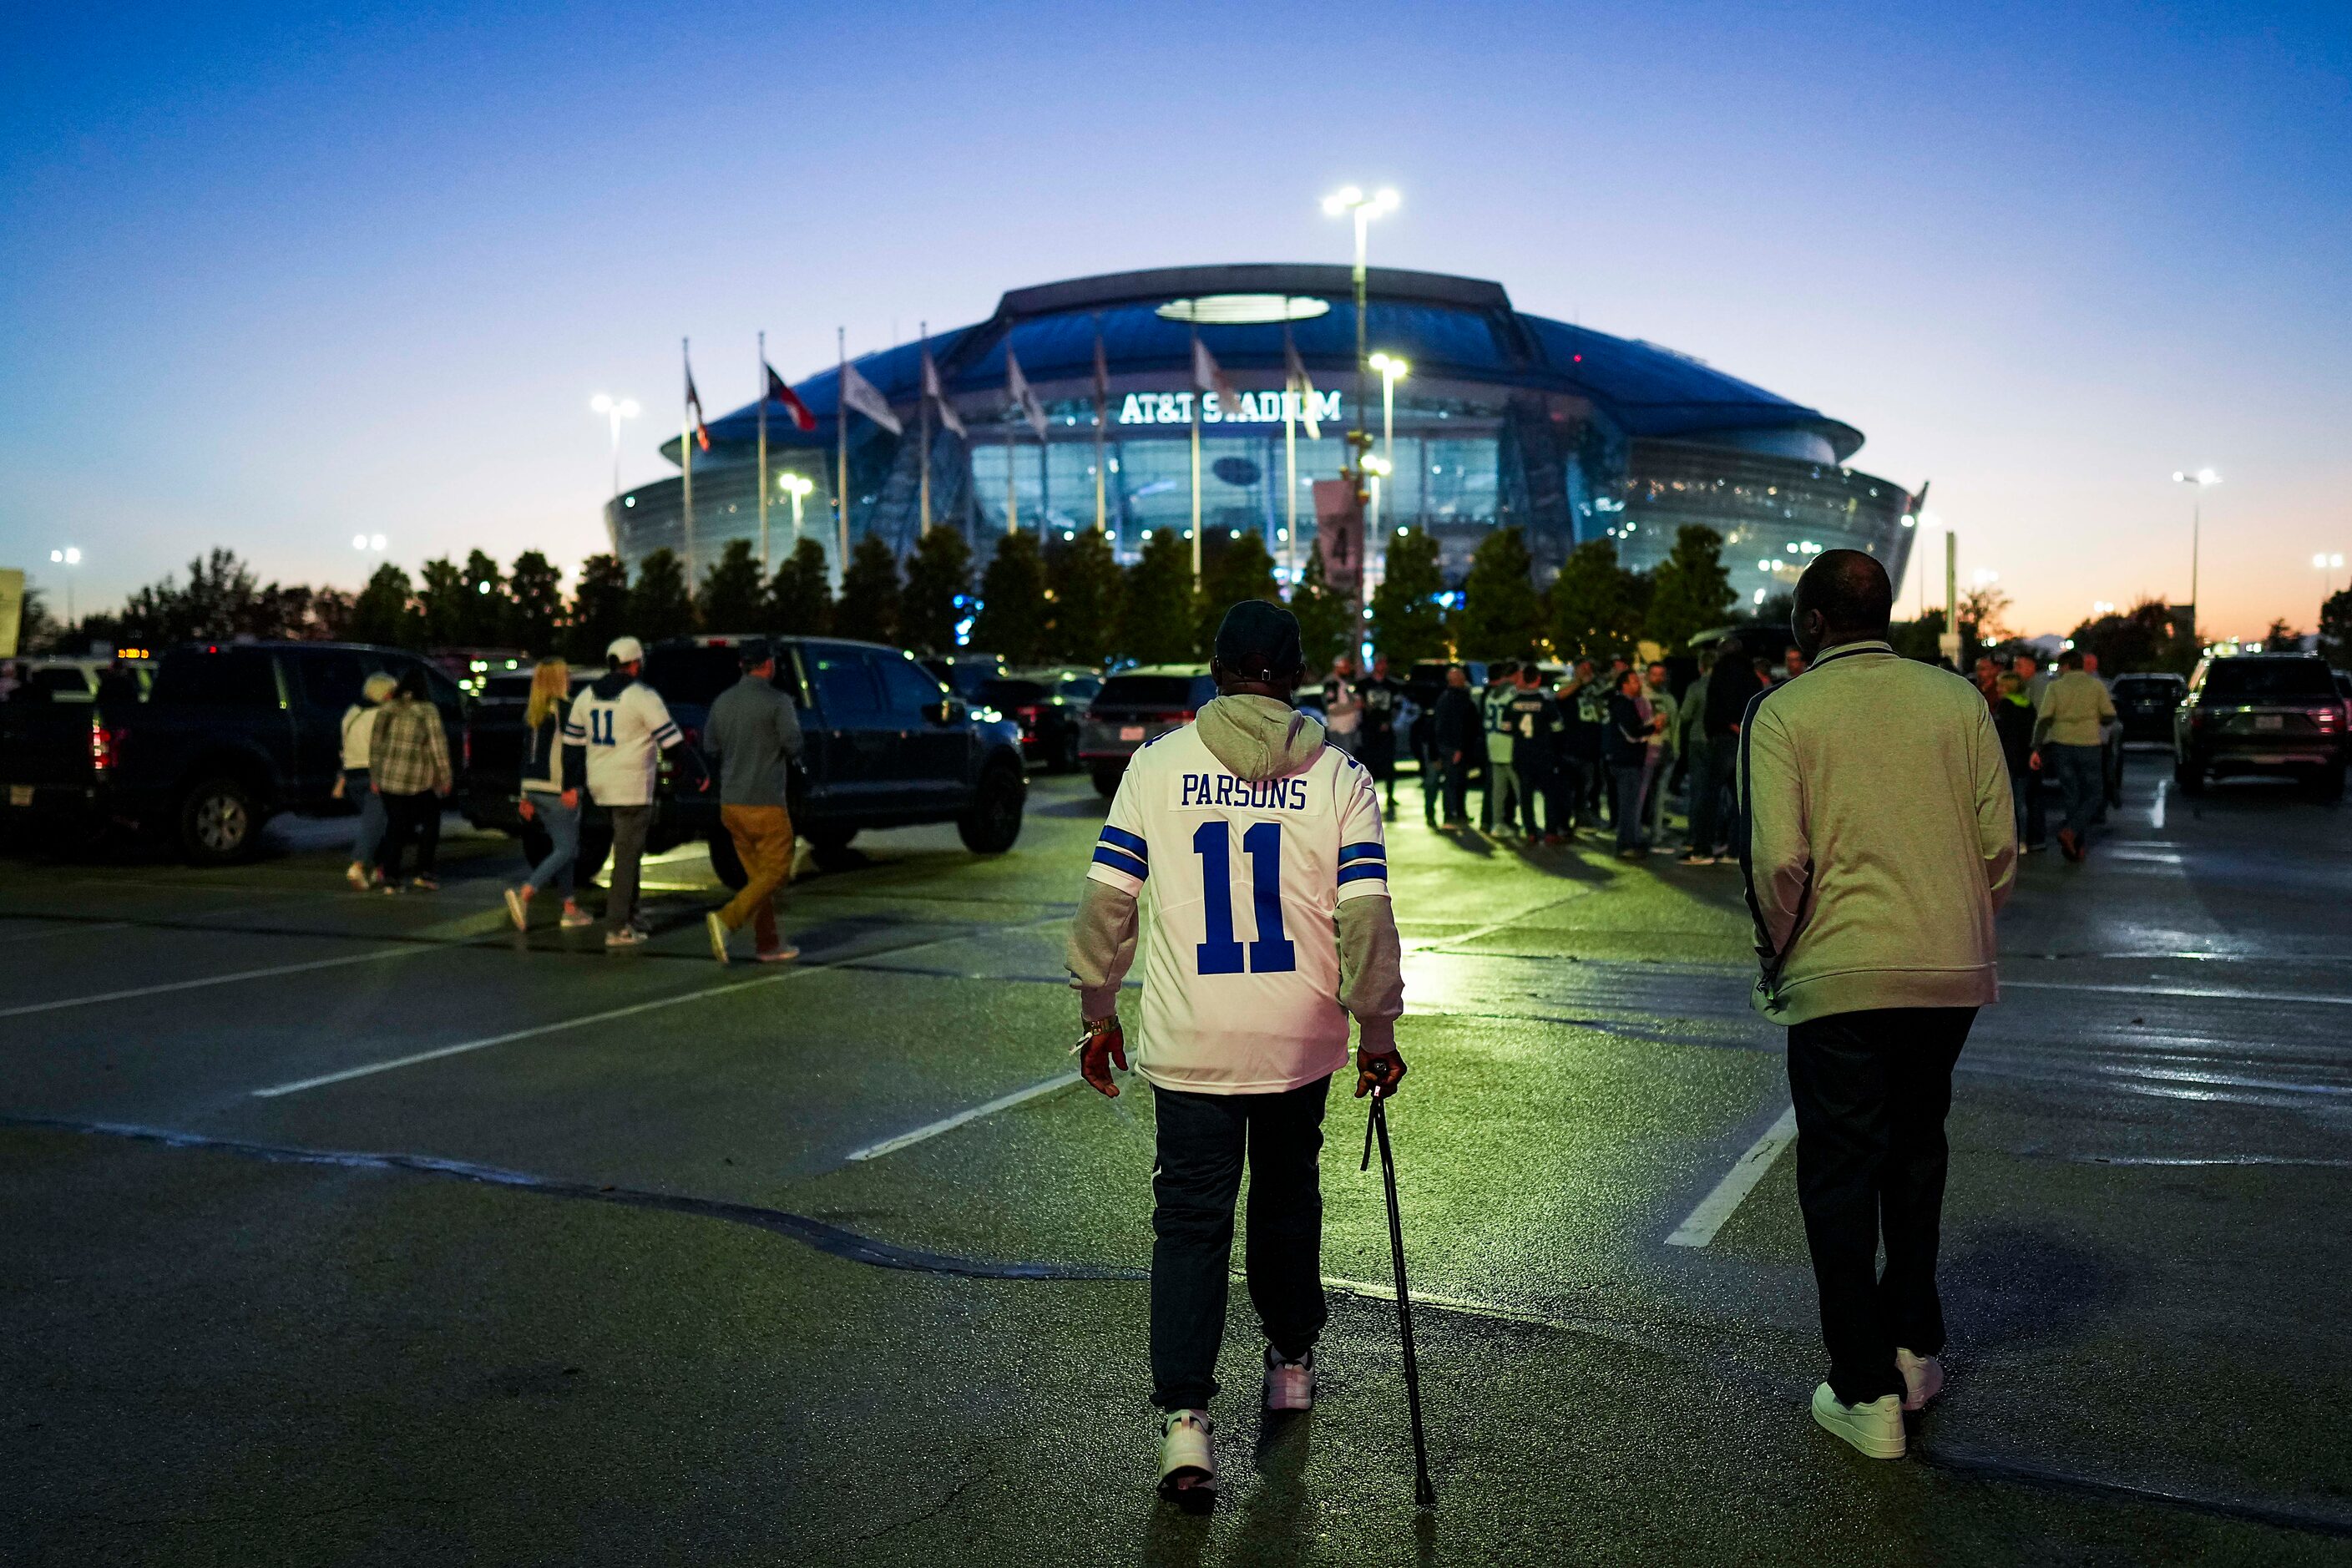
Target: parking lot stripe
[950, 1123]
[370, 1068]
[208, 980]
[1737, 1182]
[2198, 993]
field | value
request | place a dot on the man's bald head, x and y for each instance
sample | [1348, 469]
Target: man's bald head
[1845, 596]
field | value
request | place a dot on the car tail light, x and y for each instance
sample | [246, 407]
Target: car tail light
[2328, 718]
[102, 742]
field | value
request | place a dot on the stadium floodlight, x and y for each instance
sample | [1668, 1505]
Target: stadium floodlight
[614, 410]
[2202, 480]
[69, 556]
[797, 486]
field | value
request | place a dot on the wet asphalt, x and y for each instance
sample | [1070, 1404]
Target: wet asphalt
[344, 1228]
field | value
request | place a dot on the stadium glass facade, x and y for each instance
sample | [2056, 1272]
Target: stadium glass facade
[1504, 419]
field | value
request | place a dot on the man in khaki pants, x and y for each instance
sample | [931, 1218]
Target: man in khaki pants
[751, 736]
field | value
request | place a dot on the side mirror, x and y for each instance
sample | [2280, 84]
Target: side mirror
[948, 711]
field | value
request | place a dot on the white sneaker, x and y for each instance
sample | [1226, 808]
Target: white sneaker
[357, 876]
[1289, 1385]
[1874, 1430]
[1923, 1378]
[624, 936]
[518, 909]
[717, 929]
[1188, 1453]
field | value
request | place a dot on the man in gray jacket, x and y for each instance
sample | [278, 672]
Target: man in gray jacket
[1881, 839]
[751, 735]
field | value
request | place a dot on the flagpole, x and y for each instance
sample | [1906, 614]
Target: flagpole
[1102, 426]
[1011, 455]
[686, 451]
[924, 404]
[763, 455]
[1195, 406]
[841, 452]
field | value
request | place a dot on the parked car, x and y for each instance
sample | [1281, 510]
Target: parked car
[230, 735]
[2262, 713]
[2145, 704]
[965, 673]
[887, 746]
[1135, 707]
[1050, 708]
[67, 679]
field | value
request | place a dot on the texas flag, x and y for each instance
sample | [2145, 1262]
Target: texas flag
[694, 407]
[802, 420]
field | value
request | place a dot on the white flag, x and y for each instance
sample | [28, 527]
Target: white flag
[860, 393]
[1300, 388]
[1016, 387]
[937, 394]
[1210, 376]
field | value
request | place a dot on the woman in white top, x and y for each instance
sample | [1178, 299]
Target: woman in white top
[359, 725]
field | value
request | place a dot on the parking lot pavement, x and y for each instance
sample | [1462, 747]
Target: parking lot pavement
[360, 1229]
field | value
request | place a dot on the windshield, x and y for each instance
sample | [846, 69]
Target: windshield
[1168, 692]
[2265, 680]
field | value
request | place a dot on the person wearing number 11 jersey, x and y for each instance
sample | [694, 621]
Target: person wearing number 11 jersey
[1253, 851]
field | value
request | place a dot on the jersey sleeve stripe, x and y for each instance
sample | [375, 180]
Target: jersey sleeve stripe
[1357, 873]
[666, 731]
[1370, 851]
[1120, 838]
[1119, 860]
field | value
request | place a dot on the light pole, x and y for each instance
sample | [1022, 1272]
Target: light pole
[2201, 478]
[70, 556]
[614, 410]
[2329, 564]
[1351, 199]
[798, 488]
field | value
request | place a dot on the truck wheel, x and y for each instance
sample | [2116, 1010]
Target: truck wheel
[991, 823]
[220, 822]
[725, 863]
[1107, 776]
[829, 847]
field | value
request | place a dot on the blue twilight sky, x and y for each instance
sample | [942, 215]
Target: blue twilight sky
[270, 276]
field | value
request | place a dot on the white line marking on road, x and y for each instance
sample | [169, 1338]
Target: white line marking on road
[1736, 1184]
[60, 930]
[950, 1123]
[2202, 993]
[211, 980]
[463, 1047]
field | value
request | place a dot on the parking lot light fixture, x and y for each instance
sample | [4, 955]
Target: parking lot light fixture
[2202, 480]
[798, 487]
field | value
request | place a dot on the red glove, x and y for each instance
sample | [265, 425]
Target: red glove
[1102, 1043]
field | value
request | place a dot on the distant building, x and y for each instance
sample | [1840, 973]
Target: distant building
[1504, 419]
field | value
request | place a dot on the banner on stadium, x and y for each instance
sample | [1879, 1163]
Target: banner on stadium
[1339, 535]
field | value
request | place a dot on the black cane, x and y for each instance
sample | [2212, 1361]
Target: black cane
[1423, 1494]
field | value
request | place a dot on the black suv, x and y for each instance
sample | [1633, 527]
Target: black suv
[887, 746]
[2262, 713]
[2145, 704]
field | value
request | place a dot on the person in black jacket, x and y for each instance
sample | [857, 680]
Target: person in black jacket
[2012, 720]
[1456, 724]
[1626, 739]
[1730, 688]
[1539, 737]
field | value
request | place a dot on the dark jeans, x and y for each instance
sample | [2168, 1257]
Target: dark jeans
[630, 826]
[1871, 1091]
[1456, 772]
[1625, 784]
[1202, 1140]
[407, 816]
[1712, 758]
[2082, 781]
[1531, 778]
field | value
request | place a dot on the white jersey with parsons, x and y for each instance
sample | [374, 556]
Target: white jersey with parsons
[1239, 881]
[625, 736]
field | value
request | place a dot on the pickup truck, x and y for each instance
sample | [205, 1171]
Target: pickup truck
[887, 746]
[230, 734]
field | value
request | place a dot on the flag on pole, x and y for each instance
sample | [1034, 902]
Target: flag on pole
[860, 393]
[1016, 387]
[693, 406]
[802, 419]
[1299, 387]
[1102, 379]
[1210, 376]
[938, 393]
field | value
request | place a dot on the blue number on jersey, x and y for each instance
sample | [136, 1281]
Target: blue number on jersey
[600, 726]
[1272, 952]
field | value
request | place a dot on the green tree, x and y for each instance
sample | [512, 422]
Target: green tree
[1084, 582]
[1155, 619]
[2282, 639]
[659, 605]
[1011, 621]
[534, 603]
[733, 599]
[383, 613]
[2141, 639]
[938, 573]
[483, 610]
[441, 599]
[1595, 603]
[1231, 570]
[600, 608]
[2335, 630]
[1921, 639]
[1501, 615]
[1408, 625]
[222, 600]
[800, 597]
[1691, 591]
[1327, 624]
[869, 593]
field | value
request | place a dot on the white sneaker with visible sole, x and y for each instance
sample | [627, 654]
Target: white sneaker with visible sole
[357, 876]
[574, 917]
[1874, 1430]
[518, 909]
[1289, 1385]
[782, 953]
[1188, 1453]
[1923, 1378]
[717, 929]
[624, 936]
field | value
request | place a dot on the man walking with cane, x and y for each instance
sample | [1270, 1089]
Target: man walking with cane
[1880, 839]
[1255, 851]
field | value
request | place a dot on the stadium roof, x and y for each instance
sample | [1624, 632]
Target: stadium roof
[1457, 329]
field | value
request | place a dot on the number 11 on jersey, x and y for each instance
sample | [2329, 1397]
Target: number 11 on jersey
[1272, 952]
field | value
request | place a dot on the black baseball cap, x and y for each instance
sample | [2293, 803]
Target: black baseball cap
[753, 652]
[1259, 640]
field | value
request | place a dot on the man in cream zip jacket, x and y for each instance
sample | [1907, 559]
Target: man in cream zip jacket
[1880, 839]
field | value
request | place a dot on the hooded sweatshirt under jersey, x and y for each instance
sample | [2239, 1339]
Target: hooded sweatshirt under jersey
[1248, 844]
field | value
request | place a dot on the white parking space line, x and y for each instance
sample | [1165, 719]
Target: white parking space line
[950, 1123]
[369, 1070]
[74, 929]
[231, 979]
[2200, 992]
[1718, 1206]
